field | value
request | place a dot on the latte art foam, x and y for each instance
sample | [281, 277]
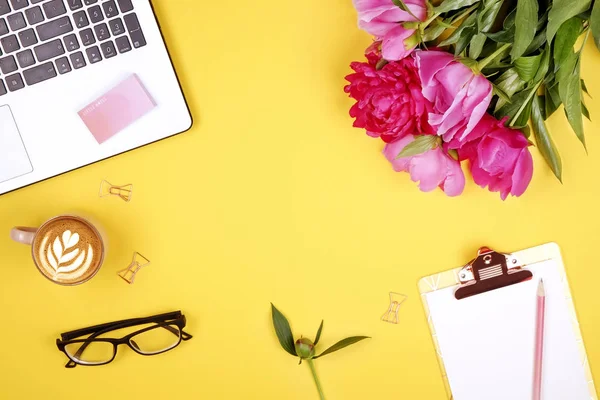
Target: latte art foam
[68, 250]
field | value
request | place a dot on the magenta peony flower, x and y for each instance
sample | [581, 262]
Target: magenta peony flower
[431, 169]
[460, 97]
[389, 102]
[499, 157]
[384, 20]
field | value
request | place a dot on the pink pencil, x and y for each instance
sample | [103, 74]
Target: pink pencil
[539, 342]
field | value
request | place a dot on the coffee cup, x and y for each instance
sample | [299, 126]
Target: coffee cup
[68, 250]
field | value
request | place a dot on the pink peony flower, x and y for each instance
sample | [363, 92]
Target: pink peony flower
[384, 20]
[460, 98]
[431, 169]
[389, 102]
[499, 157]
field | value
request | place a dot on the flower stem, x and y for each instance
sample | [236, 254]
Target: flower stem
[316, 378]
[483, 63]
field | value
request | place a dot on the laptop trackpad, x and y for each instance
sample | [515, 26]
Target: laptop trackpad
[14, 160]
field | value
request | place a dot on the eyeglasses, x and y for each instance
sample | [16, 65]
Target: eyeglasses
[163, 333]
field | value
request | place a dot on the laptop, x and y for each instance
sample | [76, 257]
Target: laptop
[81, 81]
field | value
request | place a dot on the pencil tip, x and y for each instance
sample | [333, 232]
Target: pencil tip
[541, 291]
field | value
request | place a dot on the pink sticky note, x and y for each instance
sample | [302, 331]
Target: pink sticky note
[117, 109]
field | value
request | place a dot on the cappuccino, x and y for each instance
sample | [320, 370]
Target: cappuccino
[68, 250]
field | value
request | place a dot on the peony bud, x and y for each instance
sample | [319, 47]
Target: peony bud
[305, 349]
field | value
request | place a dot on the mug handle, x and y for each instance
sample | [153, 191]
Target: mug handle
[23, 234]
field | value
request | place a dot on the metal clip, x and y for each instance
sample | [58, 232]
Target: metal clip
[128, 274]
[391, 316]
[490, 270]
[125, 192]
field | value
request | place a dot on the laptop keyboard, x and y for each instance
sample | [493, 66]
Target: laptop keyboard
[40, 40]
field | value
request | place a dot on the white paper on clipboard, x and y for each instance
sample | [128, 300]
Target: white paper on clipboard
[486, 342]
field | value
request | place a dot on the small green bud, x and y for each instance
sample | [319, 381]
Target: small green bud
[305, 349]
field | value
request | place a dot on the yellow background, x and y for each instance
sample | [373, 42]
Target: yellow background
[274, 197]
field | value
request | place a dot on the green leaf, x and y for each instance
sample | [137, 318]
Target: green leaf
[433, 31]
[585, 111]
[318, 337]
[526, 24]
[500, 93]
[563, 10]
[403, 7]
[584, 87]
[564, 74]
[552, 101]
[487, 16]
[536, 44]
[455, 36]
[509, 21]
[341, 344]
[543, 139]
[519, 110]
[565, 40]
[527, 67]
[542, 71]
[283, 331]
[450, 5]
[595, 23]
[505, 36]
[421, 144]
[509, 83]
[477, 45]
[573, 106]
[465, 38]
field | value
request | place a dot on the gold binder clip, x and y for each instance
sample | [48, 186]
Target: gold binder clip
[391, 316]
[125, 192]
[128, 274]
[490, 270]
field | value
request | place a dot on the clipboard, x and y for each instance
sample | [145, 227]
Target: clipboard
[482, 321]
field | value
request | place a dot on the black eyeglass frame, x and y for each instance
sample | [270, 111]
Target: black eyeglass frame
[162, 320]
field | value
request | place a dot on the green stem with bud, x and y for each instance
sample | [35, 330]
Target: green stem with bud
[311, 364]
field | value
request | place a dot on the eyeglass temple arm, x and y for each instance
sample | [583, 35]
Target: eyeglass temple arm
[122, 324]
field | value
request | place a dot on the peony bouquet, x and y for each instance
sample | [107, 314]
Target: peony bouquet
[465, 80]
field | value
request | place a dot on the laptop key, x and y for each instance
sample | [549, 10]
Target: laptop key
[3, 90]
[102, 32]
[110, 9]
[125, 5]
[18, 4]
[123, 44]
[36, 1]
[39, 73]
[108, 49]
[25, 58]
[49, 50]
[28, 37]
[4, 7]
[71, 42]
[135, 31]
[54, 28]
[16, 21]
[88, 2]
[77, 60]
[10, 44]
[74, 4]
[54, 8]
[34, 15]
[14, 82]
[116, 26]
[87, 37]
[3, 27]
[81, 19]
[8, 65]
[95, 13]
[63, 66]
[93, 54]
